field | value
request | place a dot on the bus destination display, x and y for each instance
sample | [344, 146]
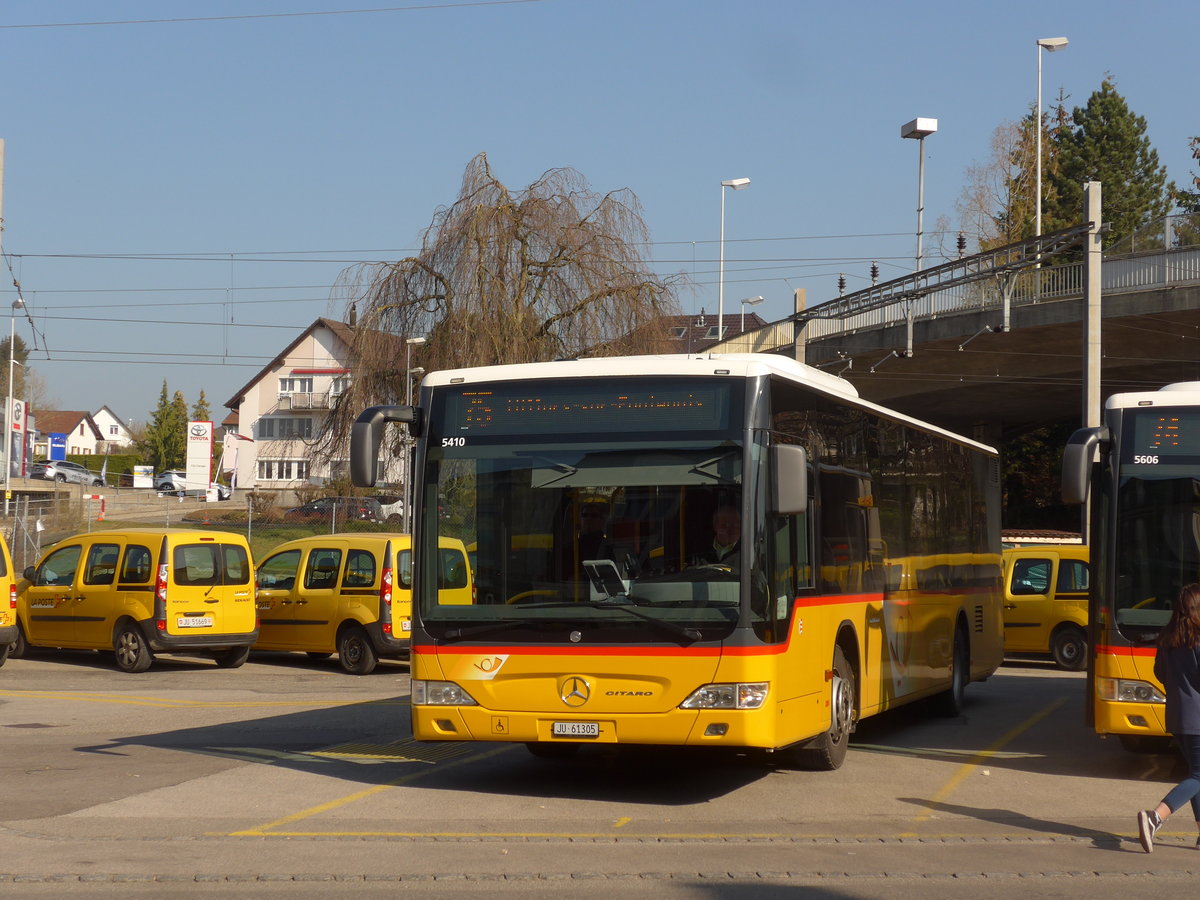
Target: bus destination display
[1162, 434]
[602, 407]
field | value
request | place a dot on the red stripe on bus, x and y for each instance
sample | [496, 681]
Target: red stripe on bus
[641, 649]
[1110, 650]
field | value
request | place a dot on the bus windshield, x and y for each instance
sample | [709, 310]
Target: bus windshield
[1157, 546]
[562, 535]
[573, 533]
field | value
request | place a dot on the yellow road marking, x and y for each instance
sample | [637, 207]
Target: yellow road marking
[981, 757]
[264, 830]
[622, 822]
[166, 702]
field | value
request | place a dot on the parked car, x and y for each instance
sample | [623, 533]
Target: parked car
[170, 481]
[360, 509]
[1046, 602]
[356, 593]
[392, 508]
[62, 470]
[174, 481]
[140, 592]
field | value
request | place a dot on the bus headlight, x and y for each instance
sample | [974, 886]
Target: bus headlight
[1126, 690]
[747, 695]
[440, 693]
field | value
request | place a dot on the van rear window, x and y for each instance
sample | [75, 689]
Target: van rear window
[206, 565]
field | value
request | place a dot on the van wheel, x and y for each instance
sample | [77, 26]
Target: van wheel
[4, 651]
[132, 651]
[355, 652]
[19, 649]
[233, 658]
[1069, 648]
[828, 752]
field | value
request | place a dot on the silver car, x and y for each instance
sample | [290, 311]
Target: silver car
[62, 470]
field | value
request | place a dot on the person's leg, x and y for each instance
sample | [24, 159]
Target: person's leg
[1187, 789]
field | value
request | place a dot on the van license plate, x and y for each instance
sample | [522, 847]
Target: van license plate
[575, 729]
[194, 622]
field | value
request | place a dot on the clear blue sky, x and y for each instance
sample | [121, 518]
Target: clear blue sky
[180, 196]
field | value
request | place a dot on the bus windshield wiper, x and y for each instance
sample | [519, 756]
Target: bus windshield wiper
[689, 635]
[497, 626]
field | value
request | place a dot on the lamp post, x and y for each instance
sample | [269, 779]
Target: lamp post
[737, 184]
[17, 304]
[408, 374]
[748, 301]
[919, 129]
[1050, 44]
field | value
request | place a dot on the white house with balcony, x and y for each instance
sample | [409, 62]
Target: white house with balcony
[274, 416]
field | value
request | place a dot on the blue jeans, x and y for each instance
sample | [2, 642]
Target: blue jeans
[1189, 788]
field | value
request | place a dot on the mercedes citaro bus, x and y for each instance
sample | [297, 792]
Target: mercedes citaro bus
[863, 570]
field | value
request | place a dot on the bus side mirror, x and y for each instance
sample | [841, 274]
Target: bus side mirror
[789, 469]
[366, 434]
[1077, 462]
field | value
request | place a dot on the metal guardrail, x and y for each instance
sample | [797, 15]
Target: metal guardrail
[975, 284]
[1063, 282]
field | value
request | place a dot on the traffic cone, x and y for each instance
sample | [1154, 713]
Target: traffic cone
[100, 517]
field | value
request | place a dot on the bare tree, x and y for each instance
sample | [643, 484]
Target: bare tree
[552, 271]
[997, 205]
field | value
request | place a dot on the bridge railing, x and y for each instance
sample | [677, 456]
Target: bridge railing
[1050, 283]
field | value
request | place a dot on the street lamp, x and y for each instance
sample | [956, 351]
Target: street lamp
[17, 304]
[409, 342]
[748, 301]
[408, 374]
[737, 184]
[919, 129]
[1050, 44]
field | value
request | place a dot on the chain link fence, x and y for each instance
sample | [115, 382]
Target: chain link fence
[34, 524]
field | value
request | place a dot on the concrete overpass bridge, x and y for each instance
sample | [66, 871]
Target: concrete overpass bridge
[993, 344]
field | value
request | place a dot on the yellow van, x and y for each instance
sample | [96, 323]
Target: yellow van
[8, 601]
[1046, 602]
[349, 593]
[141, 592]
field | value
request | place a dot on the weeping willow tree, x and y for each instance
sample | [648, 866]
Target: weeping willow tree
[550, 272]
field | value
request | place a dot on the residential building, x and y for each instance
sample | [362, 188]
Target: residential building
[114, 433]
[83, 435]
[275, 415]
[697, 333]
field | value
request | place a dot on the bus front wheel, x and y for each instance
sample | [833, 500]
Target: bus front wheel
[828, 752]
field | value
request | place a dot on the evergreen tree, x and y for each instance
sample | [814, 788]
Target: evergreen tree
[201, 411]
[166, 439]
[19, 370]
[1107, 142]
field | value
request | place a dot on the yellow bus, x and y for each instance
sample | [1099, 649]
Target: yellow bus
[1140, 471]
[723, 563]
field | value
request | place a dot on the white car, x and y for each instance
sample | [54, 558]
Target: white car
[174, 481]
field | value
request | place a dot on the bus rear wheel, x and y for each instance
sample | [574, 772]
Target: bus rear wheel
[828, 752]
